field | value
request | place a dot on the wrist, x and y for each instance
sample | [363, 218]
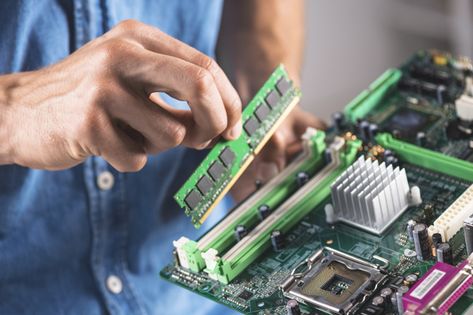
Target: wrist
[7, 83]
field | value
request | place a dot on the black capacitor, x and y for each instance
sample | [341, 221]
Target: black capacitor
[277, 240]
[364, 130]
[373, 132]
[468, 232]
[338, 120]
[436, 239]
[391, 160]
[258, 183]
[302, 178]
[444, 253]
[240, 232]
[328, 156]
[421, 241]
[264, 211]
[292, 308]
[421, 139]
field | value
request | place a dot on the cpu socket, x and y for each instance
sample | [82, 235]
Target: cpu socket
[332, 281]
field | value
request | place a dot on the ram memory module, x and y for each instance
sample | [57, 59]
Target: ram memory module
[227, 160]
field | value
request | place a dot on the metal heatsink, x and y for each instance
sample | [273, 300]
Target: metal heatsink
[370, 195]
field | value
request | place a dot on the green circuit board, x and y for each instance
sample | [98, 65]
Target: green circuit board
[407, 123]
[228, 159]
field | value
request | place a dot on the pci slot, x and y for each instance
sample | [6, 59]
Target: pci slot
[240, 256]
[426, 158]
[271, 194]
[367, 100]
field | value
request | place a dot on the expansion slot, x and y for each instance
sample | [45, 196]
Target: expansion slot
[367, 100]
[235, 260]
[228, 159]
[271, 194]
[431, 160]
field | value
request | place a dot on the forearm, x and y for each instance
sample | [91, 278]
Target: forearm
[7, 84]
[257, 35]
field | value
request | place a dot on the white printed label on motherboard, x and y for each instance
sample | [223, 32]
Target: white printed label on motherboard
[428, 283]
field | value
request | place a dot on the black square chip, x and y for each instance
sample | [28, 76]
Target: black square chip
[193, 199]
[245, 295]
[204, 184]
[251, 125]
[272, 99]
[262, 111]
[227, 157]
[216, 170]
[283, 86]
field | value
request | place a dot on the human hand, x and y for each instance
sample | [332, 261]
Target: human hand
[102, 101]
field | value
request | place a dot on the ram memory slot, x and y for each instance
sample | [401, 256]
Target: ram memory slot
[221, 236]
[367, 100]
[227, 160]
[249, 248]
[426, 158]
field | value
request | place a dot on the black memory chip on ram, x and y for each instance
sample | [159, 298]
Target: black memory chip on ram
[283, 86]
[193, 199]
[227, 157]
[262, 111]
[272, 99]
[204, 184]
[251, 125]
[216, 170]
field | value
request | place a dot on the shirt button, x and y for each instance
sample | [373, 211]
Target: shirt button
[114, 284]
[105, 180]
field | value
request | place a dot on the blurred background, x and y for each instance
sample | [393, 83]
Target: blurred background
[350, 43]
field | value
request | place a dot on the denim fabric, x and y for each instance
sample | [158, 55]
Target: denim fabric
[61, 235]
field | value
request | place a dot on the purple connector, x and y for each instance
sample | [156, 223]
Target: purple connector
[438, 289]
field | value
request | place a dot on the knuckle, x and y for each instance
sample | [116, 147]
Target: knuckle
[208, 63]
[176, 135]
[203, 81]
[128, 25]
[135, 163]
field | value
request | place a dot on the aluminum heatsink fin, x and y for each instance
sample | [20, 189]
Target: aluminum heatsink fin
[370, 195]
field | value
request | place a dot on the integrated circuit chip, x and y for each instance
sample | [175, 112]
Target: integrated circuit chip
[272, 99]
[283, 86]
[251, 125]
[262, 111]
[245, 295]
[227, 157]
[193, 199]
[204, 184]
[216, 170]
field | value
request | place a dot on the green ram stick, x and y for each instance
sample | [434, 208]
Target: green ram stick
[228, 159]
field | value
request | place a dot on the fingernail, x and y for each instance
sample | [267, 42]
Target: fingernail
[236, 130]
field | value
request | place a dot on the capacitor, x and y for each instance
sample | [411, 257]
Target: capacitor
[410, 279]
[421, 241]
[436, 239]
[327, 156]
[302, 178]
[391, 160]
[277, 240]
[292, 308]
[445, 253]
[364, 130]
[421, 139]
[386, 292]
[410, 228]
[330, 214]
[378, 301]
[338, 121]
[258, 183]
[263, 211]
[240, 232]
[468, 232]
[399, 293]
[373, 132]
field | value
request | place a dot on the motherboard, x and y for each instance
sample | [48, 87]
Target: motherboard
[374, 217]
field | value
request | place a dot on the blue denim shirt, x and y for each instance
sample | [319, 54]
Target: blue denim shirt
[90, 240]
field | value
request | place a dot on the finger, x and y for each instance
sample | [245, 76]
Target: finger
[159, 42]
[303, 120]
[160, 125]
[185, 81]
[119, 149]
